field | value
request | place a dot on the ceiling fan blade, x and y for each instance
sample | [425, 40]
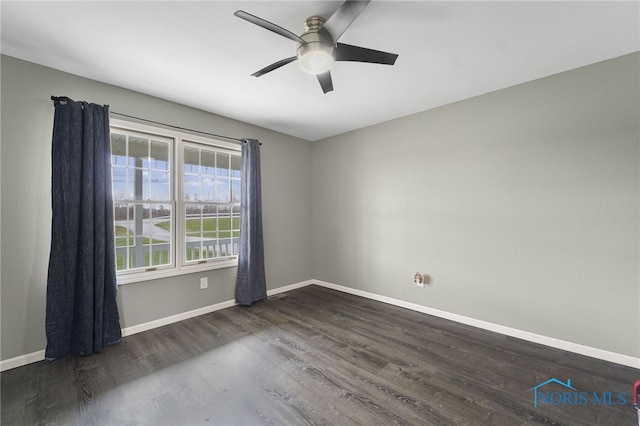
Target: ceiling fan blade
[268, 25]
[338, 23]
[325, 81]
[347, 52]
[274, 66]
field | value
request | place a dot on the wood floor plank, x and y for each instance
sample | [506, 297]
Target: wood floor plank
[318, 357]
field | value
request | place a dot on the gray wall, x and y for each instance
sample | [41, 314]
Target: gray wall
[522, 206]
[26, 123]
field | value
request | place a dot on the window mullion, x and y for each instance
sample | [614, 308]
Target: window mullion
[181, 209]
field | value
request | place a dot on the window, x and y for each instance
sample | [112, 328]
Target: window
[211, 197]
[176, 202]
[142, 192]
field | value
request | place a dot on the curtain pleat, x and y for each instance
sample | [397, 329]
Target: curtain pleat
[251, 283]
[81, 313]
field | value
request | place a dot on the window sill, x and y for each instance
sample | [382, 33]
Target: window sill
[174, 272]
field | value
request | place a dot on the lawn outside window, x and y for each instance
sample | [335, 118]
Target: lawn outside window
[176, 202]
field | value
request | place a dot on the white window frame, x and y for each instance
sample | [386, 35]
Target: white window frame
[178, 265]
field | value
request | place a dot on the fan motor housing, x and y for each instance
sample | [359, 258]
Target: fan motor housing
[316, 54]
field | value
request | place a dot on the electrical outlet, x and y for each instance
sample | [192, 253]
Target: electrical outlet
[418, 278]
[204, 283]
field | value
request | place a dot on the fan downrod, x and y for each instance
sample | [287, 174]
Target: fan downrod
[313, 23]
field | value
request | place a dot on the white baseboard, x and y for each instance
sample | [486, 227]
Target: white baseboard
[201, 311]
[19, 361]
[629, 361]
[22, 360]
[290, 287]
[134, 329]
[508, 331]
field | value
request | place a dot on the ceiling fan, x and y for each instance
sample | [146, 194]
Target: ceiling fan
[318, 47]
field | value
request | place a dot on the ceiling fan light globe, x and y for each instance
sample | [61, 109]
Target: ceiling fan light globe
[315, 58]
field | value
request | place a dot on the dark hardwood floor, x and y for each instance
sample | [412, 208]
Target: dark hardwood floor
[320, 357]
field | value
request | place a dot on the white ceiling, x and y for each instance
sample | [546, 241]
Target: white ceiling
[199, 54]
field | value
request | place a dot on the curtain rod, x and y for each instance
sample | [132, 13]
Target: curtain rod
[66, 99]
[178, 127]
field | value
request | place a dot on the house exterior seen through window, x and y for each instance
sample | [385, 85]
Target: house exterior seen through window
[176, 202]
